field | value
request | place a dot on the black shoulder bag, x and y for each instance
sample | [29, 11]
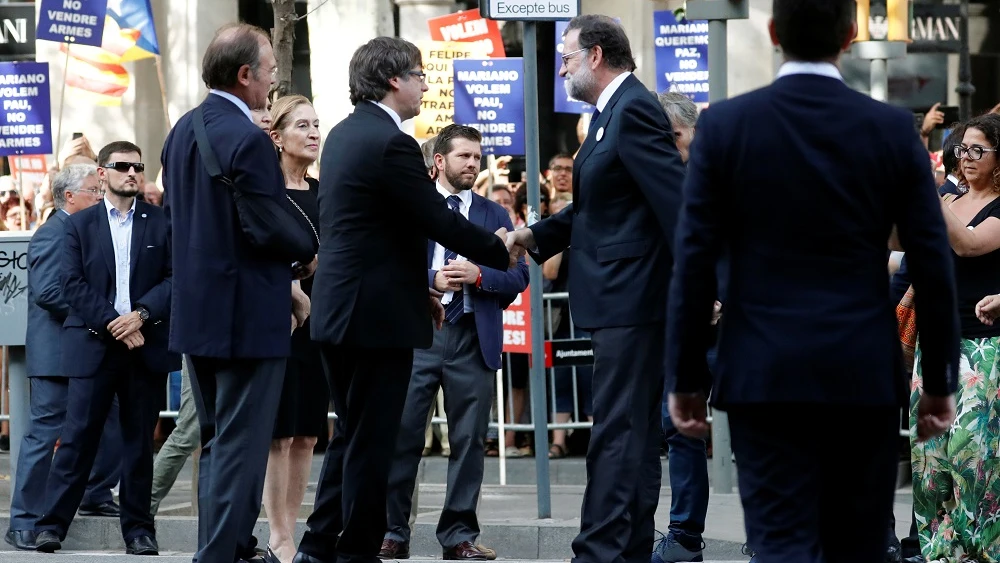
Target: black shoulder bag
[269, 225]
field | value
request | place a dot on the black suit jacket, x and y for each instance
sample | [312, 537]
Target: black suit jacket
[88, 284]
[620, 227]
[800, 183]
[46, 307]
[230, 300]
[377, 208]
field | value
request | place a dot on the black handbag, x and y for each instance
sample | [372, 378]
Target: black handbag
[270, 225]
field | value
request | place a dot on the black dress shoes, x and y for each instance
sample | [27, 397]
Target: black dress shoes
[21, 539]
[107, 509]
[47, 542]
[142, 545]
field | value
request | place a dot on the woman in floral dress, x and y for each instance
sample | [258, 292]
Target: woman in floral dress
[956, 477]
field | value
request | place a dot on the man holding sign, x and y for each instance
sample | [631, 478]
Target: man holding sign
[626, 194]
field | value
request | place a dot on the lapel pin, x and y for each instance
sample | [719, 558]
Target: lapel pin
[143, 215]
[600, 133]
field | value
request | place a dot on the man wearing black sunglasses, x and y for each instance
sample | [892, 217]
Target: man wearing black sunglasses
[116, 280]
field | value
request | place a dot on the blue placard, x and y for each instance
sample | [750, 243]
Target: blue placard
[563, 102]
[72, 21]
[489, 95]
[25, 120]
[681, 56]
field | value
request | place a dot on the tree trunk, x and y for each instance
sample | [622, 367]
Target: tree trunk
[283, 40]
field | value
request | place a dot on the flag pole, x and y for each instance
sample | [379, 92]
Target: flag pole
[62, 103]
[163, 89]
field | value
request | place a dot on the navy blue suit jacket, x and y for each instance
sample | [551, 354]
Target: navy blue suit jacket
[498, 289]
[46, 308]
[88, 285]
[799, 184]
[620, 226]
[230, 300]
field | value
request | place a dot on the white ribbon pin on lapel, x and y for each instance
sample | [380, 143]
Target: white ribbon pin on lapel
[600, 134]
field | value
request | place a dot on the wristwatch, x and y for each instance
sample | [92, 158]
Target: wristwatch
[143, 313]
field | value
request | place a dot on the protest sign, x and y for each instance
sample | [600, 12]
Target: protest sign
[489, 95]
[25, 119]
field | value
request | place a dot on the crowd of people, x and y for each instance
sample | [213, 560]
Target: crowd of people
[379, 286]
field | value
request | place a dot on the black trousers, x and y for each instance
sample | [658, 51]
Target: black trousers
[140, 394]
[368, 387]
[795, 490]
[237, 402]
[623, 460]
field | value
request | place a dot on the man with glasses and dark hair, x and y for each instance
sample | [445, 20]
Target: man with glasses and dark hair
[370, 308]
[75, 188]
[619, 233]
[116, 283]
[560, 174]
[807, 345]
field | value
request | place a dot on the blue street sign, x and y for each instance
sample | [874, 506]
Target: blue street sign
[681, 56]
[25, 121]
[489, 95]
[72, 21]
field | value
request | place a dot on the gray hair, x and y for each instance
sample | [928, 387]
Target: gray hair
[428, 151]
[680, 109]
[70, 179]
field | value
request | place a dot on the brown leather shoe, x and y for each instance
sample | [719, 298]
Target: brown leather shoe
[465, 551]
[491, 554]
[392, 549]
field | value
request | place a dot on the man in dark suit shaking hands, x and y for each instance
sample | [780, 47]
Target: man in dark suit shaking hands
[116, 281]
[619, 230]
[370, 308]
[808, 353]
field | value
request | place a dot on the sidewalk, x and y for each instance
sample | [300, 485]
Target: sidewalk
[508, 516]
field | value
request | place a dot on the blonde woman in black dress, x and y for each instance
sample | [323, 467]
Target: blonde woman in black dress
[302, 414]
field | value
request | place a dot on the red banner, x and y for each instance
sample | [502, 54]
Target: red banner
[517, 325]
[468, 27]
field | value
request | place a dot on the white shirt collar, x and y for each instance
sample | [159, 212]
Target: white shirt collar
[464, 195]
[605, 96]
[951, 178]
[239, 103]
[828, 70]
[110, 207]
[392, 113]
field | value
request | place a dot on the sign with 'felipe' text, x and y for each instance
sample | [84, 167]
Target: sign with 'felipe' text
[529, 10]
[438, 106]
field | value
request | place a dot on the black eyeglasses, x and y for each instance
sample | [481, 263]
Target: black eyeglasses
[123, 167]
[421, 75]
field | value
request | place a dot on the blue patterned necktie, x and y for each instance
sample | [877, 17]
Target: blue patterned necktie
[456, 308]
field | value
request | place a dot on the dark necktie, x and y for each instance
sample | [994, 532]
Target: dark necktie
[597, 113]
[456, 308]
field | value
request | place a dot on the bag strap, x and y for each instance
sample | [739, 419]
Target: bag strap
[205, 148]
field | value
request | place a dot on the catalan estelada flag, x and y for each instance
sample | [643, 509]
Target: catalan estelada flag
[97, 72]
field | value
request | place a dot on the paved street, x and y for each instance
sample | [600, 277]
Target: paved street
[508, 516]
